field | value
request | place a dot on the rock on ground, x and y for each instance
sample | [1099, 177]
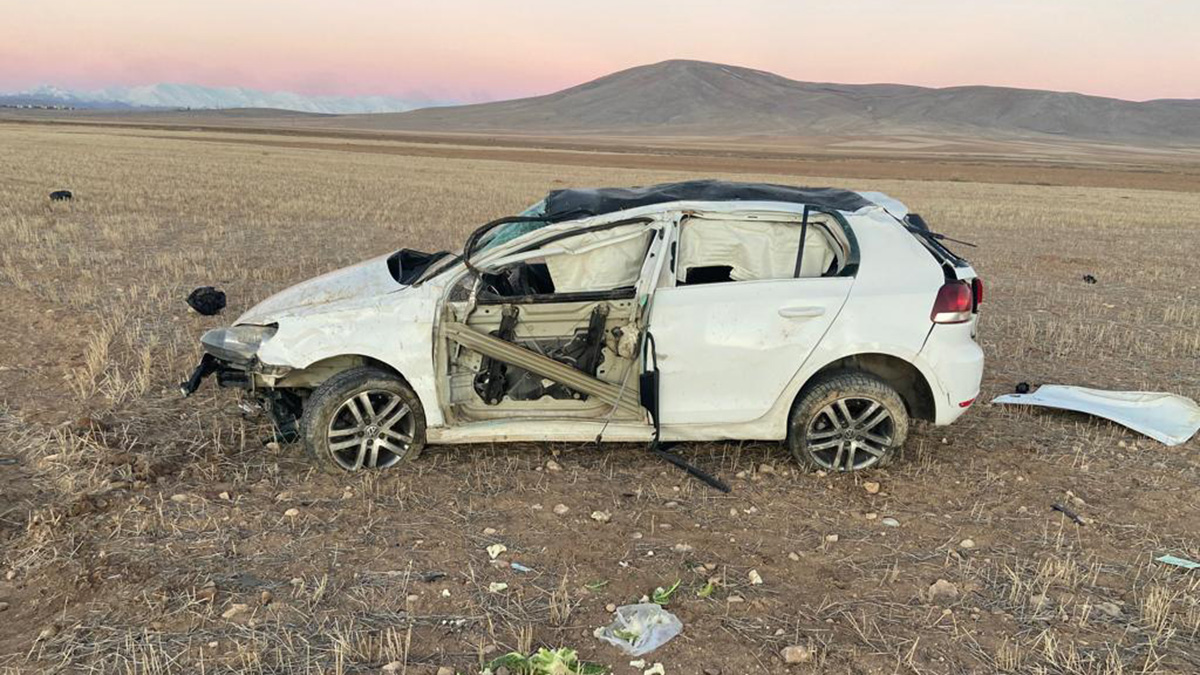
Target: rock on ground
[234, 610]
[943, 592]
[796, 654]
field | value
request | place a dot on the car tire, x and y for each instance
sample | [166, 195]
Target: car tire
[362, 419]
[868, 426]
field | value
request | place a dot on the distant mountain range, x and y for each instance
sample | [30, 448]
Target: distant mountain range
[190, 96]
[696, 98]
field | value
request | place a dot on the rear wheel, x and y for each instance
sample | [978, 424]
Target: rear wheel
[363, 418]
[847, 422]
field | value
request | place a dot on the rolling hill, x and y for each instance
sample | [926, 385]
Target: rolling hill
[695, 98]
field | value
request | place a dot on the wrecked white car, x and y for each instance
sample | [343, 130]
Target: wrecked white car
[694, 311]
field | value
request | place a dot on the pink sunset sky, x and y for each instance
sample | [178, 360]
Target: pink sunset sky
[474, 50]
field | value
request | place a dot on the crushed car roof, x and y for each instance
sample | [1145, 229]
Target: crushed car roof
[576, 203]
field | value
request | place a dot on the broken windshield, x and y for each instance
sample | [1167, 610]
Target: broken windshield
[509, 231]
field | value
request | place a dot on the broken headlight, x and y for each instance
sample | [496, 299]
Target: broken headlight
[236, 344]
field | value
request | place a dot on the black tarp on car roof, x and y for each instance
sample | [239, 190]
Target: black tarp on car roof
[578, 203]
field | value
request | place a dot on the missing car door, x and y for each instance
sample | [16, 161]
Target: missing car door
[570, 300]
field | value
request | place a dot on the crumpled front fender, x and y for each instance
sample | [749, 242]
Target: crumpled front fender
[395, 329]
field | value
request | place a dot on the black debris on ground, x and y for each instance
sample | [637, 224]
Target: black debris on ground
[1022, 387]
[1089, 279]
[206, 300]
[1068, 513]
[61, 195]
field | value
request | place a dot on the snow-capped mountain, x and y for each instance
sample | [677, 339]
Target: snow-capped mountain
[174, 96]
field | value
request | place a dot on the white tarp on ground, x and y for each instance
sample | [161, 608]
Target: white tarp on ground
[1166, 418]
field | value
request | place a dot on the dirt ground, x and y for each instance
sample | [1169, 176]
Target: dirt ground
[1020, 161]
[143, 533]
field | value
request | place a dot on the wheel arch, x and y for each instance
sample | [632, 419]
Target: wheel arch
[362, 430]
[312, 375]
[900, 374]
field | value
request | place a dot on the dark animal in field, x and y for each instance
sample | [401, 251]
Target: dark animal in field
[207, 300]
[61, 196]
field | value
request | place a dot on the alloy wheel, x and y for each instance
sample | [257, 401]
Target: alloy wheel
[849, 434]
[372, 429]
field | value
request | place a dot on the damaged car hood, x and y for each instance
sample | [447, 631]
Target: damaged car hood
[363, 280]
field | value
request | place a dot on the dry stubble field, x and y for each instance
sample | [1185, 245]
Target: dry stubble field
[133, 522]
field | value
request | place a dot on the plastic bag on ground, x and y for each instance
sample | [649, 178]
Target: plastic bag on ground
[640, 629]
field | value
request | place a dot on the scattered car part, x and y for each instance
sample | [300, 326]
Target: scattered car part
[1167, 418]
[1089, 279]
[1068, 513]
[1179, 562]
[8, 461]
[61, 196]
[207, 366]
[640, 629]
[1022, 388]
[648, 390]
[206, 300]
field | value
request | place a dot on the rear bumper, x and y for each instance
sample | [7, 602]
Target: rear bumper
[956, 362]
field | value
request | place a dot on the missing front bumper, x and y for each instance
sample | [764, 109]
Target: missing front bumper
[226, 376]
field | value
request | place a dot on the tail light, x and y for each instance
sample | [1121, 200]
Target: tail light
[954, 303]
[977, 291]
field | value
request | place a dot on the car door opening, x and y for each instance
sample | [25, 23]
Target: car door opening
[569, 298]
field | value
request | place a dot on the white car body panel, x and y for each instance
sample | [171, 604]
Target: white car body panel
[957, 362]
[366, 279]
[894, 207]
[363, 311]
[1170, 419]
[726, 351]
[394, 326]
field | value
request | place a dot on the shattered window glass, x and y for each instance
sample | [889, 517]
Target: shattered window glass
[509, 231]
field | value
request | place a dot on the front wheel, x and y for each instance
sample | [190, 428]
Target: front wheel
[847, 422]
[362, 418]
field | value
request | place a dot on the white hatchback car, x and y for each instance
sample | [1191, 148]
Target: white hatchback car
[694, 311]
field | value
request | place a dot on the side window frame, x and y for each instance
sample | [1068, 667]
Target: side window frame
[848, 269]
[623, 293]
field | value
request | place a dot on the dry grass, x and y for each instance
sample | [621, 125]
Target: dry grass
[127, 503]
